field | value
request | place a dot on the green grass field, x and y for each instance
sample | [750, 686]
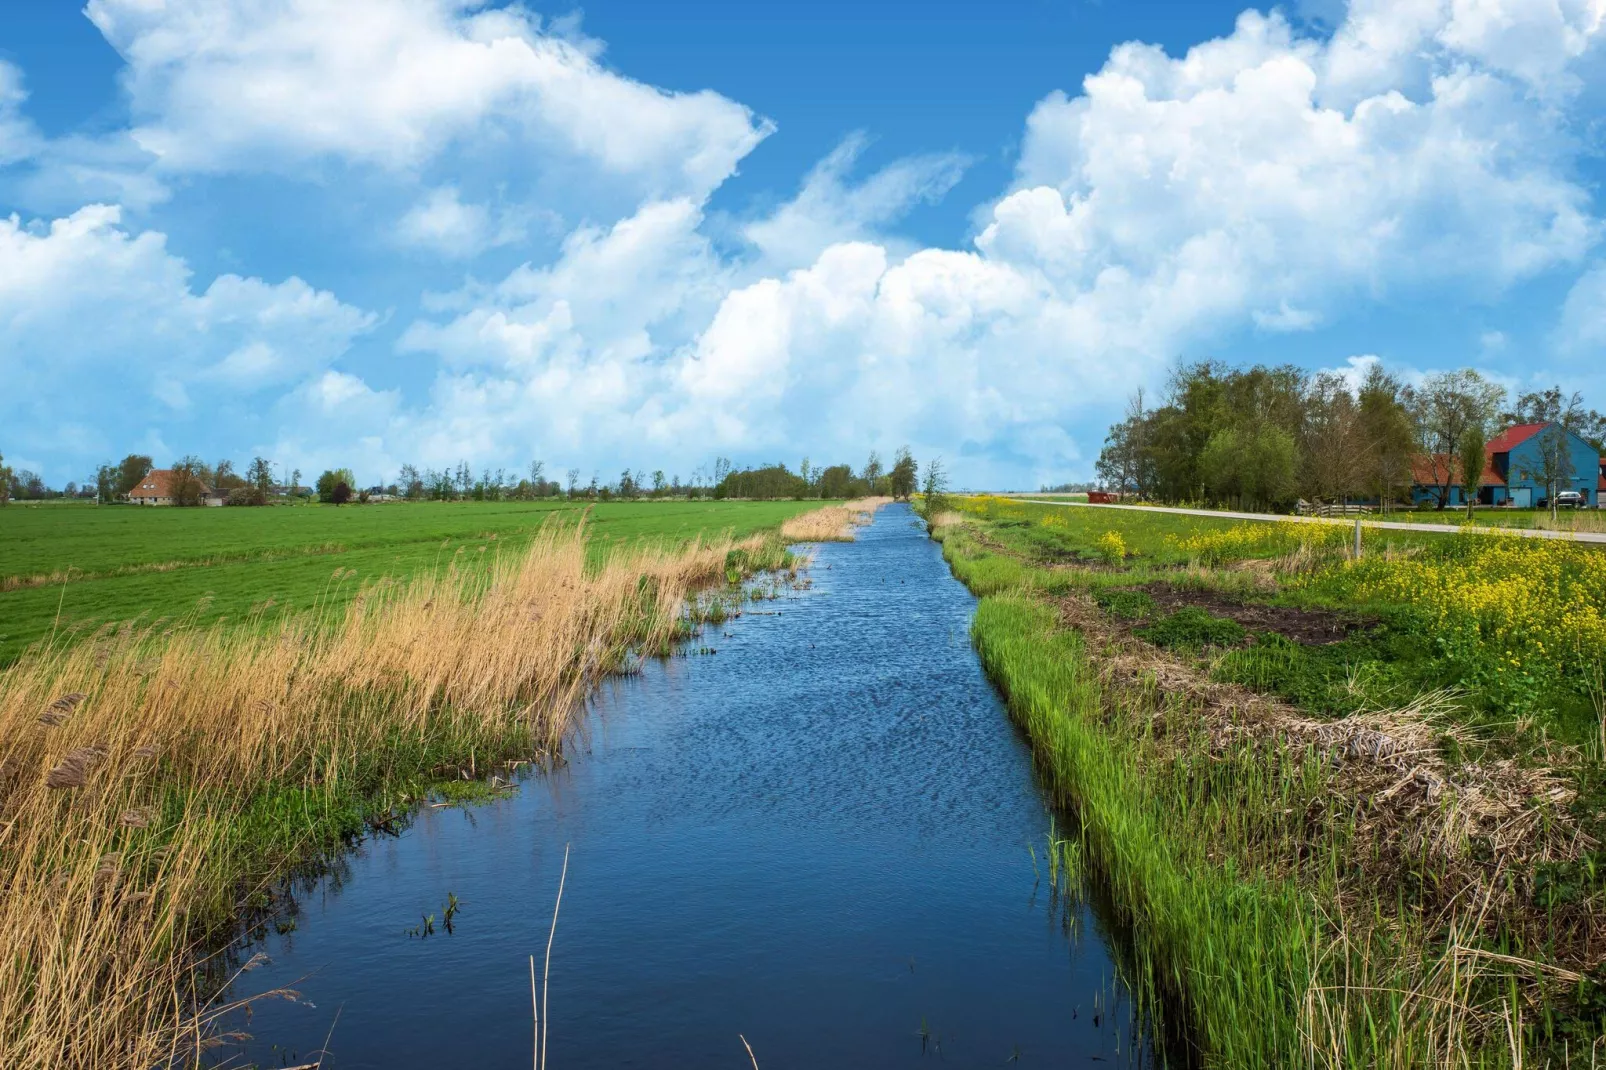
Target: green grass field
[70, 568]
[1303, 777]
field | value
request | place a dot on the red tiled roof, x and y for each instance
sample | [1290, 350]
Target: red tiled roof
[1431, 471]
[158, 483]
[1512, 437]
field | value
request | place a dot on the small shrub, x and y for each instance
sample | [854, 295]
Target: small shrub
[1127, 604]
[1192, 627]
[1111, 548]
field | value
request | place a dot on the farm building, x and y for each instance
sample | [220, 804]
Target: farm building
[1512, 470]
[157, 488]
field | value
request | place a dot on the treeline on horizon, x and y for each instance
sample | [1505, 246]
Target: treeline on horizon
[257, 485]
[1267, 437]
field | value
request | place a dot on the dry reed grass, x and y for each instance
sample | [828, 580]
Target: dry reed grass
[127, 762]
[833, 523]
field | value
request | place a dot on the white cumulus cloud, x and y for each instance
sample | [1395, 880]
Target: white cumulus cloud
[220, 85]
[96, 321]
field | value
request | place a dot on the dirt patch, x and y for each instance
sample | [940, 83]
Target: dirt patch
[1308, 627]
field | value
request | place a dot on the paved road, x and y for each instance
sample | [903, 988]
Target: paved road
[1532, 533]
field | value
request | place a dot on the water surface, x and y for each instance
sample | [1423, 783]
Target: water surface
[816, 837]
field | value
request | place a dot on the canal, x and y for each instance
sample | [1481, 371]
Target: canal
[824, 836]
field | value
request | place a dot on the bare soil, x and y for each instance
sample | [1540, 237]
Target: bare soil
[1308, 627]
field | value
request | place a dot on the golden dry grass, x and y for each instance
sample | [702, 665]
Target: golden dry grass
[833, 523]
[129, 763]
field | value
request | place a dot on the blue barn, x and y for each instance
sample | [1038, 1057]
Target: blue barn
[1510, 471]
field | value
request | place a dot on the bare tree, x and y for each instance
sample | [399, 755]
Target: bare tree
[1335, 440]
[410, 482]
[1552, 406]
[1390, 436]
[1551, 466]
[188, 486]
[873, 471]
[259, 476]
[1444, 407]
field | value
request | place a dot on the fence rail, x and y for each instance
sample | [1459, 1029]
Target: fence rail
[1328, 510]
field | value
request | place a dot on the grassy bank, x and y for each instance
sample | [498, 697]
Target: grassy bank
[1350, 810]
[70, 568]
[157, 782]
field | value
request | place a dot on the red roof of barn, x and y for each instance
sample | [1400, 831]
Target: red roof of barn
[1512, 437]
[1431, 472]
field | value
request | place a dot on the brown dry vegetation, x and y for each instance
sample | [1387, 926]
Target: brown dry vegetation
[152, 781]
[834, 523]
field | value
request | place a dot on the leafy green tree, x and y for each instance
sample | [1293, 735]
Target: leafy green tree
[1473, 443]
[1388, 433]
[331, 480]
[873, 471]
[410, 483]
[5, 481]
[770, 482]
[902, 480]
[224, 477]
[935, 491]
[1126, 463]
[1255, 465]
[258, 481]
[837, 482]
[130, 470]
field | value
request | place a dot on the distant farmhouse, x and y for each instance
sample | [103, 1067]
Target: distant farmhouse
[157, 488]
[1512, 471]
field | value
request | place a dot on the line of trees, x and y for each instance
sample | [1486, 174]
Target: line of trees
[1264, 437]
[193, 478]
[719, 480]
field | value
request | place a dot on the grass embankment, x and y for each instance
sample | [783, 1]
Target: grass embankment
[74, 567]
[156, 783]
[1349, 809]
[1538, 519]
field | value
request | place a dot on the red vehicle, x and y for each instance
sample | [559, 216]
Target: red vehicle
[1102, 497]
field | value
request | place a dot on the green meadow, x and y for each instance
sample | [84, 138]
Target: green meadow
[68, 568]
[1350, 808]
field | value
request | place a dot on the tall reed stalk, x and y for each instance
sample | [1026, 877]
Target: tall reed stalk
[153, 783]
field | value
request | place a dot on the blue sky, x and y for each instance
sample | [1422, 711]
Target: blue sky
[648, 234]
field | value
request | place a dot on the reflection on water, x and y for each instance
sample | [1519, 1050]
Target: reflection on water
[816, 838]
